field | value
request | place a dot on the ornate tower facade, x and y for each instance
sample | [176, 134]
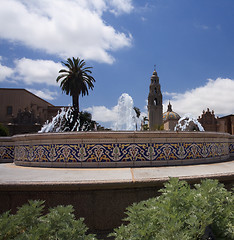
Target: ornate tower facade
[155, 108]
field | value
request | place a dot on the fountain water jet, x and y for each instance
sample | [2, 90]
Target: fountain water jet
[125, 113]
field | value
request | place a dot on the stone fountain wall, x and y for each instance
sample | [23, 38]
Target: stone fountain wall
[6, 149]
[116, 149]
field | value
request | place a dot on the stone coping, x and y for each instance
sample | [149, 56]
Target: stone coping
[114, 135]
[5, 140]
[119, 135]
[17, 177]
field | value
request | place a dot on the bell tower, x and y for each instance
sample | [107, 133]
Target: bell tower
[155, 108]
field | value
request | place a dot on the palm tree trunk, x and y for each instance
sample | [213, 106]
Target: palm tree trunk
[75, 102]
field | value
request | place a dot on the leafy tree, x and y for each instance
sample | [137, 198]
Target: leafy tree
[138, 113]
[181, 213]
[3, 131]
[145, 125]
[86, 121]
[76, 80]
[29, 224]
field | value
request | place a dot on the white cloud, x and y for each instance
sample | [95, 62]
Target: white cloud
[169, 94]
[44, 93]
[121, 6]
[65, 27]
[5, 72]
[37, 71]
[215, 94]
[31, 71]
[103, 114]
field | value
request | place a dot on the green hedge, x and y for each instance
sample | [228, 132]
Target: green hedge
[205, 211]
[182, 213]
[30, 224]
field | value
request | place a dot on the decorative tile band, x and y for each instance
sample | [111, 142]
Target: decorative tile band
[231, 148]
[7, 153]
[120, 152]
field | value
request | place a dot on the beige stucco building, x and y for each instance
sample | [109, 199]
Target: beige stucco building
[22, 111]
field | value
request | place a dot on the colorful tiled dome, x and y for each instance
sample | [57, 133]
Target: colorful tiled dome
[170, 115]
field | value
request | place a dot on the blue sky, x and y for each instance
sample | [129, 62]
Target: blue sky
[190, 41]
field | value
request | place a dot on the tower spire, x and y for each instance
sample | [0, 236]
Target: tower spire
[169, 107]
[155, 102]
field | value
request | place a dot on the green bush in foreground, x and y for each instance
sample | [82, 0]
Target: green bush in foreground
[181, 213]
[29, 224]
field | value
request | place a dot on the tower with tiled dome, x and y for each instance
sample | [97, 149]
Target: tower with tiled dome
[155, 108]
[170, 118]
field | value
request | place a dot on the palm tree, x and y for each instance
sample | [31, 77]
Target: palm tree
[138, 113]
[76, 80]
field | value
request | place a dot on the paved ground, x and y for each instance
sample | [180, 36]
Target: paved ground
[14, 175]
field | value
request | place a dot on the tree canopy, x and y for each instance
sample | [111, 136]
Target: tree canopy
[76, 80]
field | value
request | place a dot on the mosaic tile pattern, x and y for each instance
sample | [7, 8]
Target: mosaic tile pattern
[7, 152]
[231, 148]
[119, 152]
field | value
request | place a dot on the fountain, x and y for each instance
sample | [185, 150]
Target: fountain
[188, 123]
[128, 148]
[116, 148]
[125, 113]
[60, 122]
[99, 194]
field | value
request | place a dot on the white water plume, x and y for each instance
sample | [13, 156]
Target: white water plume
[126, 116]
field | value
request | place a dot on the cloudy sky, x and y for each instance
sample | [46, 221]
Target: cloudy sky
[191, 42]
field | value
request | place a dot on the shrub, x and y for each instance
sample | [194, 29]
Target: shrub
[30, 224]
[181, 213]
[3, 131]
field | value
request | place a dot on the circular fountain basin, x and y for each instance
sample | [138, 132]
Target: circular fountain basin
[117, 149]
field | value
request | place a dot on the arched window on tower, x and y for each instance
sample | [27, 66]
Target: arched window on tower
[155, 102]
[155, 90]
